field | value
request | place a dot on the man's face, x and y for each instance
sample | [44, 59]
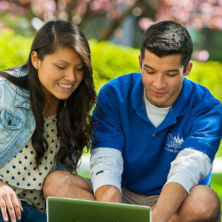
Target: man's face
[162, 78]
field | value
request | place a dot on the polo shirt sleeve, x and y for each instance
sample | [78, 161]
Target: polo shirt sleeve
[107, 130]
[205, 130]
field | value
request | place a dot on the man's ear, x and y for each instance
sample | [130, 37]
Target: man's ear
[35, 60]
[188, 68]
[140, 61]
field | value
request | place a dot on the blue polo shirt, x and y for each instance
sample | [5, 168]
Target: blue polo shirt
[194, 121]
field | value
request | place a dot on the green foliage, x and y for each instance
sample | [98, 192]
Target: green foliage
[109, 61]
[14, 49]
[208, 74]
[216, 183]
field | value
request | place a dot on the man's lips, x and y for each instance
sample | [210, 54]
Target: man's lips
[158, 94]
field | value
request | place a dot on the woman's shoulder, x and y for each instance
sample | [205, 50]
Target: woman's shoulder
[9, 92]
[6, 87]
[17, 71]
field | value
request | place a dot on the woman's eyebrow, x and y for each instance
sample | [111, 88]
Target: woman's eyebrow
[68, 63]
[63, 61]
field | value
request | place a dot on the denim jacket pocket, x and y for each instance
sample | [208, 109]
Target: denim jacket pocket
[9, 126]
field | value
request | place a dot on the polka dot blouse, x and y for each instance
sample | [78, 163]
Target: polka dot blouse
[20, 172]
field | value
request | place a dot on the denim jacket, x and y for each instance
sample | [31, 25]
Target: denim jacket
[17, 122]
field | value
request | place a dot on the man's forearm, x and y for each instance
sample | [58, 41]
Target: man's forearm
[171, 197]
[108, 193]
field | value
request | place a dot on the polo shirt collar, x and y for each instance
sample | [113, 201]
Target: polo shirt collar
[137, 102]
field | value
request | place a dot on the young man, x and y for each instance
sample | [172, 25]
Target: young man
[157, 134]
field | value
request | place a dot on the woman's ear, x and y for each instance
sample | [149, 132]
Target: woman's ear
[35, 60]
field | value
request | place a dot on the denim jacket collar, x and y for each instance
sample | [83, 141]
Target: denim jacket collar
[22, 97]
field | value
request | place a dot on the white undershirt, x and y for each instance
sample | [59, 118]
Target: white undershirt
[106, 164]
[155, 114]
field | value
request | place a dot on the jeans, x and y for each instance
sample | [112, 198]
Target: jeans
[30, 214]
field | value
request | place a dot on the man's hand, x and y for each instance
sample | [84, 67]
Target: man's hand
[108, 193]
[9, 201]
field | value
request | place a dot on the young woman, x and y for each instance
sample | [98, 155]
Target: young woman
[44, 117]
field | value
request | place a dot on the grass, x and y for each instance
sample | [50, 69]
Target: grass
[216, 184]
[219, 152]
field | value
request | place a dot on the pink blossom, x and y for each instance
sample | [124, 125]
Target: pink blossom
[4, 5]
[201, 55]
[144, 23]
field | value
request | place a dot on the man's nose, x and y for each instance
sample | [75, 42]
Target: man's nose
[159, 81]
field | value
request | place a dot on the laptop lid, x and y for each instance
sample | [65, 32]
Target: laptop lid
[75, 210]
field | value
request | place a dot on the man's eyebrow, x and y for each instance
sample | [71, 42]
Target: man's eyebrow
[147, 66]
[170, 70]
[173, 70]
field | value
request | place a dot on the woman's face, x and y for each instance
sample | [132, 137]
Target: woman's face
[60, 73]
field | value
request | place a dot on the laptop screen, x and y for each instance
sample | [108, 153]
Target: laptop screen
[75, 210]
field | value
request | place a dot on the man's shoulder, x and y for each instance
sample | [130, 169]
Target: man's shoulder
[200, 99]
[200, 93]
[122, 83]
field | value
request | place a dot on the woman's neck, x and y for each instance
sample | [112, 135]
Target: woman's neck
[50, 108]
[51, 104]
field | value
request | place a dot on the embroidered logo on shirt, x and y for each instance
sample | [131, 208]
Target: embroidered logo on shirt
[173, 143]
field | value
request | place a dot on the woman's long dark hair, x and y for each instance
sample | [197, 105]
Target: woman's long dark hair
[73, 116]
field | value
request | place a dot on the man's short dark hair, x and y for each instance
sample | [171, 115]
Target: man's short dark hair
[167, 38]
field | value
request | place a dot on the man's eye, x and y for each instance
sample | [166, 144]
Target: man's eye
[80, 68]
[172, 74]
[61, 67]
[150, 72]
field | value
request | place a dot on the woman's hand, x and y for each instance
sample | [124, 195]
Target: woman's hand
[9, 201]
